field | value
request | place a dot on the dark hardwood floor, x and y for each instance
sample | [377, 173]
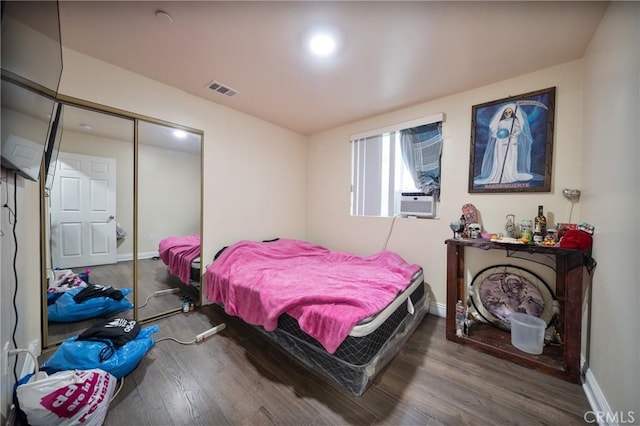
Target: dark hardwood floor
[152, 276]
[118, 275]
[238, 377]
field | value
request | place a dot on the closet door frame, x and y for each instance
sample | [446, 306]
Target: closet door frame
[44, 243]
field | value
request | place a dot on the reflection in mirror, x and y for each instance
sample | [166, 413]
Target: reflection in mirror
[31, 42]
[31, 67]
[89, 217]
[169, 182]
[26, 117]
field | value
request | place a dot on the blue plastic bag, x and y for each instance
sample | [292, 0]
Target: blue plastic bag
[65, 309]
[76, 354]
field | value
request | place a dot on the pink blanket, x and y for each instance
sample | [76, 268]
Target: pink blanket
[328, 292]
[178, 253]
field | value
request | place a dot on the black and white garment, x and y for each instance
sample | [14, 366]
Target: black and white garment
[115, 333]
[93, 290]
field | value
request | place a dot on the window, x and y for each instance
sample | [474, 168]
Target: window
[387, 162]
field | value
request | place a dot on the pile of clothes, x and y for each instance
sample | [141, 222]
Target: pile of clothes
[70, 298]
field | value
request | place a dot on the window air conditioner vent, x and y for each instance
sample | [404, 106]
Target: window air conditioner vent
[221, 88]
[417, 204]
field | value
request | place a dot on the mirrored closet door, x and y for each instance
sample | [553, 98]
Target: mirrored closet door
[121, 209]
[169, 218]
[88, 222]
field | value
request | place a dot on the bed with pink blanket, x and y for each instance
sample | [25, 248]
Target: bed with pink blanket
[182, 257]
[343, 315]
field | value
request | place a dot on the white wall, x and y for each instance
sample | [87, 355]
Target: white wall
[168, 196]
[595, 150]
[254, 171]
[27, 269]
[254, 182]
[611, 200]
[421, 240]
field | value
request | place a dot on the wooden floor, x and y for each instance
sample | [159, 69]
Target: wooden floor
[152, 276]
[238, 377]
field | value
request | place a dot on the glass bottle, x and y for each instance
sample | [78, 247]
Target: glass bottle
[526, 230]
[539, 226]
[463, 222]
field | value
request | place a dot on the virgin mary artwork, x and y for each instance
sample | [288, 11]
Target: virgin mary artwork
[511, 144]
[507, 158]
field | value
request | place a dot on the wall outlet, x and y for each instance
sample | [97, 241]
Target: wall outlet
[28, 367]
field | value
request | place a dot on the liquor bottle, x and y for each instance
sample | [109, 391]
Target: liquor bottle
[539, 227]
[464, 232]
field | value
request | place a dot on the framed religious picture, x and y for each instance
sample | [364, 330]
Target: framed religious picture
[512, 143]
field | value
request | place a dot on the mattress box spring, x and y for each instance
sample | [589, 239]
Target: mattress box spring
[195, 275]
[195, 270]
[357, 350]
[355, 377]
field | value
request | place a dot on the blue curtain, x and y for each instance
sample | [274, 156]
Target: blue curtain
[421, 152]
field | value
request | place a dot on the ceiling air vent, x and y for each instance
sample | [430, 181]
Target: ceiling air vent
[221, 88]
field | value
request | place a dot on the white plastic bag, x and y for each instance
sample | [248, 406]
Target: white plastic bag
[71, 397]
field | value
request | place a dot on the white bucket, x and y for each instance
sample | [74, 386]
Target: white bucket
[527, 333]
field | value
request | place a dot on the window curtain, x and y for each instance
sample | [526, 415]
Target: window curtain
[421, 152]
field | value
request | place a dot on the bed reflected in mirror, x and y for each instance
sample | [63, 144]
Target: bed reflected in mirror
[89, 224]
[169, 219]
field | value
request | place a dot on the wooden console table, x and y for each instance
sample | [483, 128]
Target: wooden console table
[561, 360]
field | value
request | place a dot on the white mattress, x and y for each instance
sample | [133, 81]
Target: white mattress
[195, 263]
[371, 324]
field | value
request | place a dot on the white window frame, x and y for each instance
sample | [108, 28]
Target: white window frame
[363, 201]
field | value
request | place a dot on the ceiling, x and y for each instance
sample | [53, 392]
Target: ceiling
[99, 124]
[391, 54]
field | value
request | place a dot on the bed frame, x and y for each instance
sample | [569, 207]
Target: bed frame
[369, 347]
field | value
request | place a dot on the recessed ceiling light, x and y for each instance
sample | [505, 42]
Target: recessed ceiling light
[323, 44]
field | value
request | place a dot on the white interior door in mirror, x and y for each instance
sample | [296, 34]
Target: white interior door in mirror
[83, 209]
[96, 153]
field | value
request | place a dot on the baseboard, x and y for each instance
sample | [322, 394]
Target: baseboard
[124, 257]
[129, 256]
[439, 309]
[600, 409]
[148, 255]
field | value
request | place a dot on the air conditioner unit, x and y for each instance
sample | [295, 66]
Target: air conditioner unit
[417, 204]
